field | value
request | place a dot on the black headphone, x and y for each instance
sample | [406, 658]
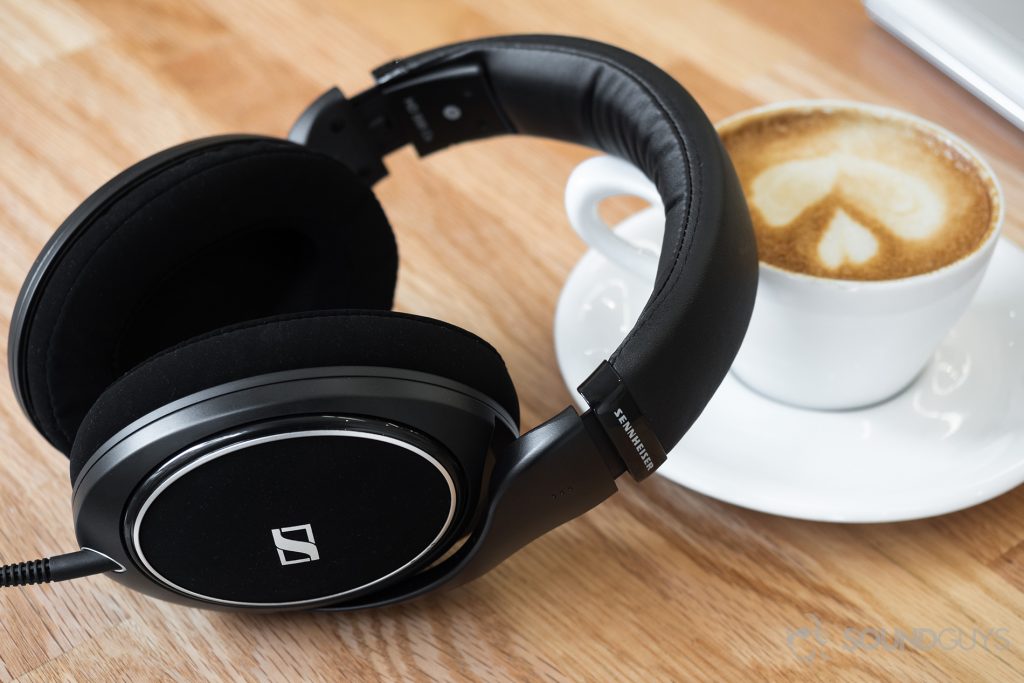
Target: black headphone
[208, 337]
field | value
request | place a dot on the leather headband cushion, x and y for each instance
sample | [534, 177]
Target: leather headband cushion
[236, 230]
[332, 338]
[601, 96]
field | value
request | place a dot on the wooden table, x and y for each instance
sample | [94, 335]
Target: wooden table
[86, 88]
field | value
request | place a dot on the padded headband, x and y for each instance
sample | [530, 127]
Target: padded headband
[115, 280]
[672, 361]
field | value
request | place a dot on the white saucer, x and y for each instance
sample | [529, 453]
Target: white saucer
[955, 438]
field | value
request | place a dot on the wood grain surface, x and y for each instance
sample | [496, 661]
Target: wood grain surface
[88, 87]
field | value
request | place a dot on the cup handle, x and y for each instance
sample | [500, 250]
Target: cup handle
[590, 183]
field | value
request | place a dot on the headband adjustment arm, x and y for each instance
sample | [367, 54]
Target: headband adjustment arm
[439, 105]
[628, 429]
[354, 132]
[432, 107]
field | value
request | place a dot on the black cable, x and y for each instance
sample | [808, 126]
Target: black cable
[58, 568]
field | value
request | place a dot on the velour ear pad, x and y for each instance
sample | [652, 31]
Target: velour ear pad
[332, 338]
[234, 230]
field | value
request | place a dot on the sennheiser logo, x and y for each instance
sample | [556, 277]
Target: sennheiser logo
[634, 439]
[419, 120]
[306, 549]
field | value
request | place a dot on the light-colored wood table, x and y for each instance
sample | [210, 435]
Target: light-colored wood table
[86, 88]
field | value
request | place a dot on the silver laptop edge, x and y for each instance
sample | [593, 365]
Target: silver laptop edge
[976, 51]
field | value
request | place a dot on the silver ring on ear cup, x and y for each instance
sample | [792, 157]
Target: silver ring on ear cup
[257, 569]
[451, 423]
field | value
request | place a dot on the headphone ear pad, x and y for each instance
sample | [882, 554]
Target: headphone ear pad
[218, 232]
[332, 338]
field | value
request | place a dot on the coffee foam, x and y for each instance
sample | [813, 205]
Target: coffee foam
[850, 194]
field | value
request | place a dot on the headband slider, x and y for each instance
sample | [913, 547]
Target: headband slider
[433, 108]
[439, 105]
[620, 418]
[340, 128]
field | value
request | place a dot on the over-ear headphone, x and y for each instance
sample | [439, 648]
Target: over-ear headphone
[208, 338]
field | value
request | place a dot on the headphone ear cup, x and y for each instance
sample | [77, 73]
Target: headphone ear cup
[325, 339]
[198, 237]
[293, 488]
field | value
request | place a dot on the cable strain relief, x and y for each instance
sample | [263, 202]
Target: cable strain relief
[25, 573]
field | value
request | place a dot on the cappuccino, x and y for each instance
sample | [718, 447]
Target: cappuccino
[849, 194]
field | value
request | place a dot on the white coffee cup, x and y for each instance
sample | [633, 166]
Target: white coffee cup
[813, 342]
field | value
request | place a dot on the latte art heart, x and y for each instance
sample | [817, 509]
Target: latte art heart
[897, 200]
[846, 240]
[844, 193]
